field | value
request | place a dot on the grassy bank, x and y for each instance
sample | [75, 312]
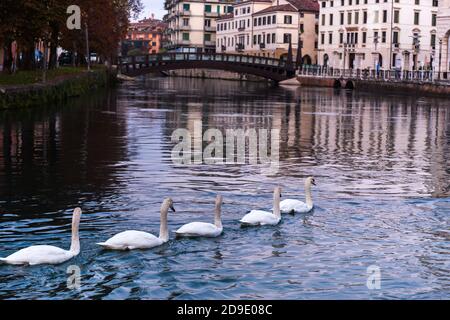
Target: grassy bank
[25, 89]
[35, 76]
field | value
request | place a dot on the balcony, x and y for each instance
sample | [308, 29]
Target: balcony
[211, 14]
[210, 43]
[240, 47]
[262, 45]
[184, 28]
[240, 29]
[185, 13]
[210, 29]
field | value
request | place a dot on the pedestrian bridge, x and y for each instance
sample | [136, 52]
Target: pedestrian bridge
[269, 68]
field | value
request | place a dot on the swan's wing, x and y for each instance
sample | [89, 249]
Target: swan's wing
[39, 255]
[131, 239]
[290, 206]
[198, 229]
[257, 217]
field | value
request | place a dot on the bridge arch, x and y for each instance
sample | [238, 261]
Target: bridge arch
[269, 68]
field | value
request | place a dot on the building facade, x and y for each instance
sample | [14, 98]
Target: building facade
[192, 24]
[267, 27]
[145, 36]
[378, 34]
[443, 22]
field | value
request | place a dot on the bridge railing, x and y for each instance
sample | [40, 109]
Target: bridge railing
[377, 75]
[138, 61]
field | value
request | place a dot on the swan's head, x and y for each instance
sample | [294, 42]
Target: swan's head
[168, 204]
[219, 200]
[277, 192]
[77, 212]
[310, 181]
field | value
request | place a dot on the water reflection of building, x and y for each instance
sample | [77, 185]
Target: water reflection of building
[367, 133]
[56, 156]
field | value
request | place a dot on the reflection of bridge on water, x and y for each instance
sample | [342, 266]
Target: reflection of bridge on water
[269, 68]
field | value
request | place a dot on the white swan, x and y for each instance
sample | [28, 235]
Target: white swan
[202, 229]
[36, 255]
[131, 240]
[261, 218]
[296, 206]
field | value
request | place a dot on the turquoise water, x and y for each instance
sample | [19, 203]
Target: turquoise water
[381, 162]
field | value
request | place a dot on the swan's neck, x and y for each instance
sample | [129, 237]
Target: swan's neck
[217, 217]
[164, 229]
[309, 200]
[276, 205]
[75, 246]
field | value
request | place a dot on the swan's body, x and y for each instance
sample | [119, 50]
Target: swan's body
[296, 206]
[131, 240]
[43, 254]
[263, 218]
[202, 229]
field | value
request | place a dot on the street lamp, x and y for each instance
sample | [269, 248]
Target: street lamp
[440, 59]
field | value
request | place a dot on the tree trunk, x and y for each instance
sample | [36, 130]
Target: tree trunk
[8, 59]
[28, 61]
[54, 39]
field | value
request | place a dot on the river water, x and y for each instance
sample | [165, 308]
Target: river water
[381, 163]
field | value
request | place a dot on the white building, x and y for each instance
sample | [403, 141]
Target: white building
[370, 34]
[192, 24]
[266, 27]
[443, 37]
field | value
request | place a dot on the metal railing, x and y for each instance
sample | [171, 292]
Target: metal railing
[376, 75]
[152, 59]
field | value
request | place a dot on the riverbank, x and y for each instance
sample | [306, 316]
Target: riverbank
[57, 88]
[404, 87]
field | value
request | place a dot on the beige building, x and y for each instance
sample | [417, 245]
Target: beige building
[192, 24]
[371, 34]
[443, 28]
[266, 27]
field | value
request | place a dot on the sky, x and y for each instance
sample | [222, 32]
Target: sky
[153, 6]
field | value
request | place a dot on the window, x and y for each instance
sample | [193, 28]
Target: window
[274, 19]
[287, 19]
[341, 37]
[416, 17]
[331, 3]
[435, 3]
[357, 2]
[264, 21]
[186, 36]
[302, 27]
[394, 59]
[383, 37]
[207, 8]
[364, 37]
[259, 21]
[286, 38]
[375, 37]
[235, 12]
[342, 18]
[356, 17]
[323, 20]
[186, 7]
[207, 37]
[255, 22]
[273, 37]
[417, 2]
[350, 2]
[433, 41]
[342, 3]
[185, 22]
[254, 39]
[396, 16]
[375, 16]
[268, 38]
[331, 19]
[395, 37]
[324, 4]
[433, 20]
[330, 38]
[384, 16]
[207, 22]
[322, 38]
[364, 17]
[349, 18]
